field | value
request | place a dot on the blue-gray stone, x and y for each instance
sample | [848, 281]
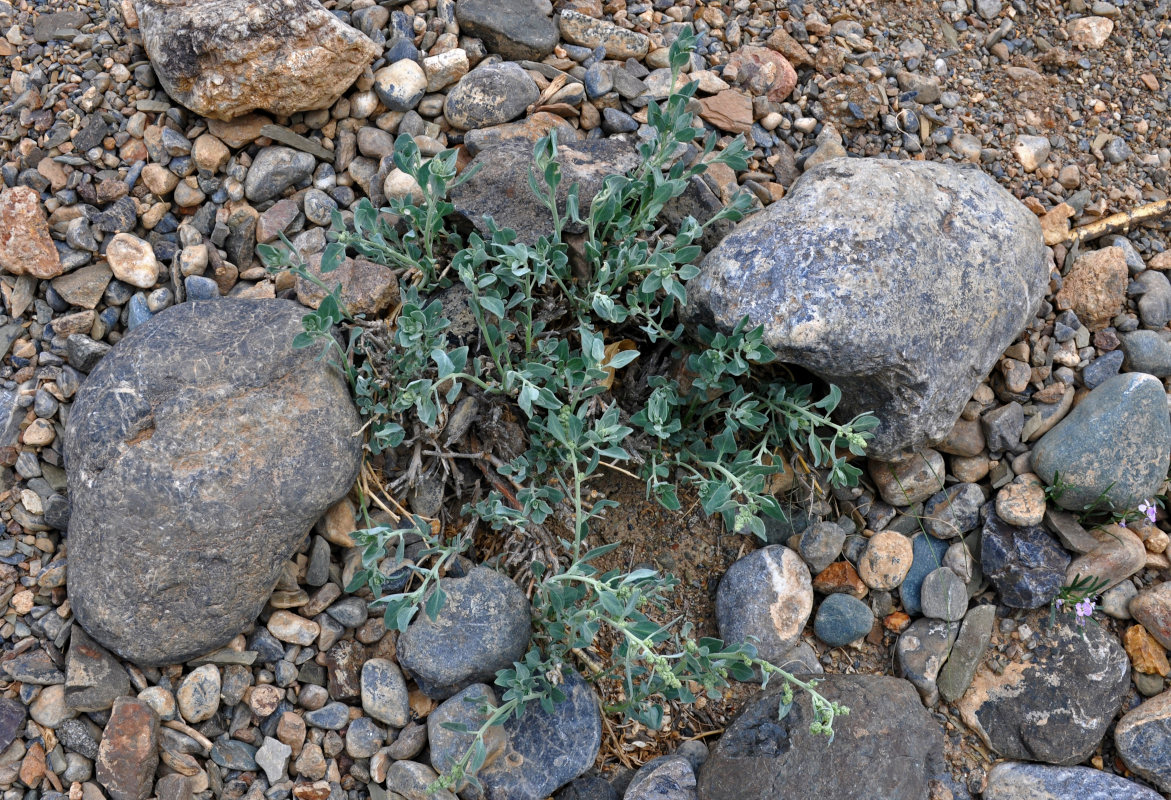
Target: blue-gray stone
[232, 754]
[900, 281]
[484, 626]
[350, 612]
[12, 716]
[331, 717]
[364, 738]
[546, 750]
[597, 80]
[137, 313]
[1143, 739]
[664, 778]
[1017, 780]
[953, 511]
[267, 647]
[1026, 565]
[927, 556]
[1115, 444]
[490, 95]
[200, 288]
[842, 619]
[615, 121]
[944, 595]
[1101, 368]
[820, 545]
[1147, 351]
[275, 169]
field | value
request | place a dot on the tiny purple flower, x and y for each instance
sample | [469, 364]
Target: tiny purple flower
[1122, 523]
[1059, 602]
[1084, 610]
[1147, 508]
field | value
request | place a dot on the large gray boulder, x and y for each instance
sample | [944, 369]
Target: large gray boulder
[199, 452]
[900, 281]
[889, 744]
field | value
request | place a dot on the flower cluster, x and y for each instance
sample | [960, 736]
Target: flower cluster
[1082, 610]
[1147, 509]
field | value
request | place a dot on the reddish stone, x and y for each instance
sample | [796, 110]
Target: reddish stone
[129, 753]
[840, 577]
[25, 244]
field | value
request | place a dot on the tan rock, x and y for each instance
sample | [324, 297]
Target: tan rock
[367, 288]
[1095, 288]
[224, 58]
[1055, 223]
[1146, 654]
[132, 260]
[886, 561]
[1021, 503]
[1119, 554]
[209, 153]
[620, 43]
[729, 110]
[160, 180]
[25, 244]
[762, 71]
[240, 131]
[39, 433]
[1152, 608]
[1090, 33]
[789, 47]
[909, 479]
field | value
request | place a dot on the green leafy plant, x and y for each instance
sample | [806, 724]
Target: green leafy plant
[551, 339]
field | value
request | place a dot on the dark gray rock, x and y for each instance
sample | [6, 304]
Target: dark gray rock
[921, 652]
[93, 677]
[1014, 780]
[490, 95]
[1026, 565]
[975, 634]
[589, 787]
[331, 717]
[12, 716]
[75, 735]
[198, 453]
[872, 274]
[546, 750]
[1147, 351]
[275, 169]
[34, 667]
[1003, 427]
[1154, 303]
[232, 754]
[1056, 707]
[1143, 739]
[765, 598]
[484, 626]
[1114, 444]
[944, 595]
[1102, 368]
[500, 188]
[841, 619]
[447, 746]
[928, 553]
[820, 545]
[953, 511]
[519, 30]
[889, 743]
[663, 778]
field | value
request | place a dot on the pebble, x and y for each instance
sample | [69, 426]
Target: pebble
[765, 598]
[842, 619]
[1119, 554]
[132, 261]
[944, 595]
[953, 511]
[910, 480]
[1021, 503]
[401, 85]
[1014, 780]
[490, 95]
[199, 694]
[1152, 608]
[821, 544]
[274, 170]
[288, 627]
[927, 556]
[1032, 151]
[886, 560]
[586, 31]
[920, 653]
[966, 653]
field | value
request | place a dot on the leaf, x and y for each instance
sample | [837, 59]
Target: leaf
[331, 259]
[435, 602]
[617, 355]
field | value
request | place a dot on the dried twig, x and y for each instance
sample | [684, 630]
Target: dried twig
[1121, 222]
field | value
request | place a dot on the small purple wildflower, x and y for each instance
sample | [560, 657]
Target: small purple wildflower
[1147, 508]
[1084, 609]
[1059, 602]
